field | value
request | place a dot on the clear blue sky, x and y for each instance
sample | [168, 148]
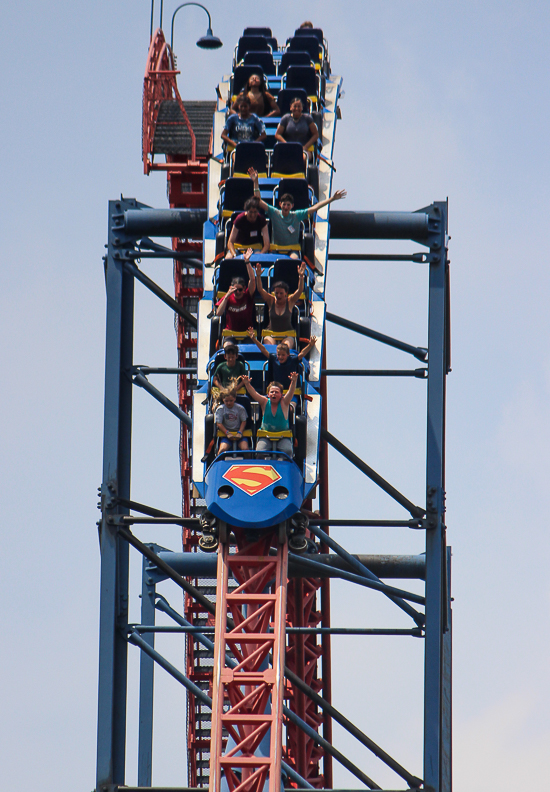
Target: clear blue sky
[442, 99]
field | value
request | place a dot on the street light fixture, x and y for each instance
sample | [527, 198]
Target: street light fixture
[210, 41]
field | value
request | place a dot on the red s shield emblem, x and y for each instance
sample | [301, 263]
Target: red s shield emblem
[252, 478]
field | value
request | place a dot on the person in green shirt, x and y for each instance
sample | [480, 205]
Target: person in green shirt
[275, 409]
[285, 222]
[229, 371]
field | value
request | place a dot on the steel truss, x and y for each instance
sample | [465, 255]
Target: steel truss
[250, 620]
[253, 685]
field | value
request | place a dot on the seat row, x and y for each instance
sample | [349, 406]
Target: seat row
[272, 67]
[260, 371]
[284, 96]
[296, 79]
[235, 192]
[253, 433]
[282, 269]
[304, 40]
[246, 358]
[284, 161]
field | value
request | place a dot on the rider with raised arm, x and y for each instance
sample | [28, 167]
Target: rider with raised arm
[275, 407]
[280, 305]
[282, 363]
[237, 304]
[284, 221]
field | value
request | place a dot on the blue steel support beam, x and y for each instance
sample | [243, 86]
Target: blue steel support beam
[134, 270]
[144, 629]
[146, 679]
[308, 563]
[436, 556]
[136, 639]
[144, 383]
[419, 373]
[446, 701]
[184, 223]
[384, 566]
[188, 223]
[415, 511]
[180, 255]
[418, 258]
[361, 569]
[380, 225]
[419, 352]
[113, 620]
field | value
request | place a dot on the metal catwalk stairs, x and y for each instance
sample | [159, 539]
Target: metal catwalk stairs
[171, 134]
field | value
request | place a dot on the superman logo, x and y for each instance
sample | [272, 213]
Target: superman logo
[252, 478]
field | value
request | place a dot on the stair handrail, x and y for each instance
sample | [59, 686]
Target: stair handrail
[159, 85]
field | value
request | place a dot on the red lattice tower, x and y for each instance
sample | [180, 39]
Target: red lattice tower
[187, 175]
[248, 691]
[302, 658]
[308, 605]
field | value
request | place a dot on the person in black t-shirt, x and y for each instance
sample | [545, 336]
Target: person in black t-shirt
[282, 363]
[249, 230]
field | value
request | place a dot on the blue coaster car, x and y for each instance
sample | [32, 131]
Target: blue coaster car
[253, 493]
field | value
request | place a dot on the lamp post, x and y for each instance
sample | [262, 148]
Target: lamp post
[205, 42]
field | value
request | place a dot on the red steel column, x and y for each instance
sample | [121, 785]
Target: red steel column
[325, 585]
[253, 688]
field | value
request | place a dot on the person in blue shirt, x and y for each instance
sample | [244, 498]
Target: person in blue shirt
[282, 363]
[284, 221]
[243, 127]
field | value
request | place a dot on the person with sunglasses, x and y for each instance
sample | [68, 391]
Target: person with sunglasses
[238, 303]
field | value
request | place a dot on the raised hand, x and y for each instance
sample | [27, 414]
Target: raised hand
[253, 174]
[247, 254]
[259, 268]
[294, 376]
[302, 268]
[251, 332]
[339, 194]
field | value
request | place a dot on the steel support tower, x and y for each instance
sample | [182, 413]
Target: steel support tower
[257, 666]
